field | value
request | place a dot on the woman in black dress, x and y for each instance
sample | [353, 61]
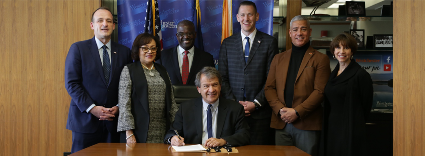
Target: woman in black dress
[348, 101]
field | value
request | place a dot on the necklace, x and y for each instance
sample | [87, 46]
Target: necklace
[150, 70]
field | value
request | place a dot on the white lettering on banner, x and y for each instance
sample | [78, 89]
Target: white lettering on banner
[372, 68]
[383, 104]
[168, 25]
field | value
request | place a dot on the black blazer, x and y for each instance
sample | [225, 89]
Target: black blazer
[170, 61]
[140, 100]
[231, 125]
[250, 77]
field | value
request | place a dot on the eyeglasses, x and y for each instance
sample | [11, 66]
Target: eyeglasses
[146, 49]
[180, 34]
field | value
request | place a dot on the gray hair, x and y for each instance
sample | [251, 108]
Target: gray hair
[299, 18]
[210, 73]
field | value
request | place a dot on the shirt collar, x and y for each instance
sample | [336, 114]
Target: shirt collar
[251, 36]
[191, 50]
[214, 105]
[100, 44]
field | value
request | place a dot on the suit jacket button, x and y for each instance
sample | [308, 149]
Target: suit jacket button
[242, 89]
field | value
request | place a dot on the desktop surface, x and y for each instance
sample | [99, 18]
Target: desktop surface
[121, 149]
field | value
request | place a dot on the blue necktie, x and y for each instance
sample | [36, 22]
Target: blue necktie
[209, 121]
[106, 64]
[246, 49]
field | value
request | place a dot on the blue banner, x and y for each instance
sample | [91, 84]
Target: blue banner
[264, 23]
[131, 20]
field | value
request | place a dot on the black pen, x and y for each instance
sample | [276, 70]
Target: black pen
[177, 133]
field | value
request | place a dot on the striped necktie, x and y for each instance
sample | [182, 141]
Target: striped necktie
[106, 64]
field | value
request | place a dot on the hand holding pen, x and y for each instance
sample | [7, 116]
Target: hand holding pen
[177, 140]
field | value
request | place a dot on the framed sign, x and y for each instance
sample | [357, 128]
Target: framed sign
[383, 41]
[358, 34]
[355, 8]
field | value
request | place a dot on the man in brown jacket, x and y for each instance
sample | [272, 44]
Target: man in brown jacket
[294, 90]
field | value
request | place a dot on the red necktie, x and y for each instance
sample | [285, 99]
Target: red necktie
[185, 67]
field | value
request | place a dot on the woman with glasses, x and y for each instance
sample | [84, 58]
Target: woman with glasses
[146, 101]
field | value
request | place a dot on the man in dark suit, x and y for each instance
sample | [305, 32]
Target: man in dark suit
[244, 64]
[294, 89]
[92, 73]
[209, 120]
[185, 60]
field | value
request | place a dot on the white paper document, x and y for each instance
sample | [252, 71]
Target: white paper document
[189, 148]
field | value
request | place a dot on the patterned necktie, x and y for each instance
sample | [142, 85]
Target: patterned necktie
[246, 49]
[209, 121]
[106, 64]
[185, 68]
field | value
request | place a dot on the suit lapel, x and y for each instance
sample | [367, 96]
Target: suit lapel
[196, 61]
[255, 44]
[95, 53]
[285, 64]
[307, 56]
[239, 50]
[221, 116]
[198, 118]
[114, 59]
[175, 61]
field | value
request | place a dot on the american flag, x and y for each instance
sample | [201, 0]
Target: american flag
[153, 23]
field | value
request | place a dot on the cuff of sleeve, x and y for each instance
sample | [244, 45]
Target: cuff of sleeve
[256, 101]
[169, 140]
[91, 107]
[296, 112]
[278, 113]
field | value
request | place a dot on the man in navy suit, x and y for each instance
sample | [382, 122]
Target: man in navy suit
[209, 120]
[185, 60]
[92, 73]
[244, 63]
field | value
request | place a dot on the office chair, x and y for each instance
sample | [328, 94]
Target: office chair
[183, 93]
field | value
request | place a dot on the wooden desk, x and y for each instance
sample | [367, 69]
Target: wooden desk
[120, 149]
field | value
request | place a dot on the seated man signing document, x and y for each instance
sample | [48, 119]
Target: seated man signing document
[209, 120]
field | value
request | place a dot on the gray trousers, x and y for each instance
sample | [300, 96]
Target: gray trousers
[308, 141]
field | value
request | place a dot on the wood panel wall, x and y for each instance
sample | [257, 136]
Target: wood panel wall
[35, 38]
[409, 74]
[293, 9]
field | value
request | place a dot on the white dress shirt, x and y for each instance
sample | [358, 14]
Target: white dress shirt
[180, 55]
[99, 47]
[214, 112]
[251, 40]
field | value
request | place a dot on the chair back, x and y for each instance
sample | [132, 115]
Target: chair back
[183, 93]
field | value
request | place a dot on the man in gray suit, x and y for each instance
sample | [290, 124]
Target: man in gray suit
[244, 62]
